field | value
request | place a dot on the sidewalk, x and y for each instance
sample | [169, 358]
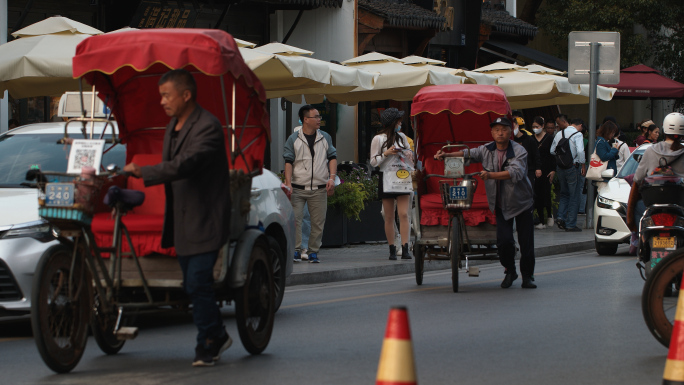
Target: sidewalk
[370, 260]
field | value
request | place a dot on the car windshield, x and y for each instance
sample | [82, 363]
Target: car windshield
[631, 165]
[20, 152]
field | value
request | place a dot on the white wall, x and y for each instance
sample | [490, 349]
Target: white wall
[329, 33]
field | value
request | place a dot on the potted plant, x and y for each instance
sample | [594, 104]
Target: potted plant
[354, 210]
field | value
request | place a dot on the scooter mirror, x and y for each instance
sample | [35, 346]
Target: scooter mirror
[112, 168]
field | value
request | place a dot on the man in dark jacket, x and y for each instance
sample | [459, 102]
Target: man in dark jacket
[526, 140]
[194, 171]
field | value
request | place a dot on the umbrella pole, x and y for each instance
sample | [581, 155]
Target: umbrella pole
[92, 113]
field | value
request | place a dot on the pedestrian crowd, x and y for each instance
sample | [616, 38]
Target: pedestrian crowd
[520, 165]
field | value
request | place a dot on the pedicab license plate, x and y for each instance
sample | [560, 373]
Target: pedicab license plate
[667, 243]
[59, 194]
[458, 193]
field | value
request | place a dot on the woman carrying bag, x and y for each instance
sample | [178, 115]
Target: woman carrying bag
[391, 152]
[605, 155]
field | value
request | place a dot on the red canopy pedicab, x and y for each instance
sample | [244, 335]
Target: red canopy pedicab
[451, 216]
[105, 270]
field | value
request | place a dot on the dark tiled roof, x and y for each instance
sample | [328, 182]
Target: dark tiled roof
[403, 13]
[312, 3]
[502, 21]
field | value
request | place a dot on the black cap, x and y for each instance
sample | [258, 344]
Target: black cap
[502, 121]
[390, 115]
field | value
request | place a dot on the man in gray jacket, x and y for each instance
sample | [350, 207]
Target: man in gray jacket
[310, 168]
[510, 197]
[194, 171]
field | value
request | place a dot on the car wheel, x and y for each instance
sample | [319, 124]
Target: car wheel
[605, 248]
[279, 277]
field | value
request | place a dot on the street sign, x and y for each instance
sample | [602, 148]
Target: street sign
[579, 53]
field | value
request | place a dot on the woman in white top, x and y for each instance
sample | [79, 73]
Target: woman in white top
[389, 147]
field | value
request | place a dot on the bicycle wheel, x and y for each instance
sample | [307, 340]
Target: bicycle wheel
[60, 308]
[419, 254]
[255, 301]
[455, 252]
[102, 325]
[660, 295]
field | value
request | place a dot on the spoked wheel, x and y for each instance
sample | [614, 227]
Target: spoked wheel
[419, 255]
[279, 277]
[102, 325]
[255, 301]
[660, 295]
[455, 252]
[60, 308]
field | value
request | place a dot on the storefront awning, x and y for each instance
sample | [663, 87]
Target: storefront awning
[530, 53]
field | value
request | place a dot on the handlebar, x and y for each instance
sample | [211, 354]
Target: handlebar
[462, 146]
[470, 175]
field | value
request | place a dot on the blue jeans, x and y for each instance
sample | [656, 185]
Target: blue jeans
[198, 278]
[583, 197]
[570, 193]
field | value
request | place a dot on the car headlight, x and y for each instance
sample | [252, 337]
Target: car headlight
[42, 232]
[608, 203]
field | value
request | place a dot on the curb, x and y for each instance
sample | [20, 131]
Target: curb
[408, 266]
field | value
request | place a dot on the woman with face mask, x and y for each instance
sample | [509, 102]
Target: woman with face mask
[522, 137]
[387, 148]
[542, 185]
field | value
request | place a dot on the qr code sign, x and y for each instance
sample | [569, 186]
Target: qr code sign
[84, 158]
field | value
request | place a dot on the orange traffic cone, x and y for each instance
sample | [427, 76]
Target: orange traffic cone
[674, 366]
[396, 360]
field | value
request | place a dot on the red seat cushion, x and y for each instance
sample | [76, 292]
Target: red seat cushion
[145, 231]
[432, 210]
[145, 222]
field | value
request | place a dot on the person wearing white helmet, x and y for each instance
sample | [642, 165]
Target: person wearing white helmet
[671, 150]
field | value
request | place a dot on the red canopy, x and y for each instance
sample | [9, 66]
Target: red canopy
[126, 66]
[457, 113]
[458, 98]
[641, 82]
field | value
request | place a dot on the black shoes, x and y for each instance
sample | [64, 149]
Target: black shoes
[573, 229]
[405, 254]
[207, 356]
[393, 253]
[528, 283]
[561, 224]
[508, 280]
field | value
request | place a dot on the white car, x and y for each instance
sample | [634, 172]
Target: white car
[610, 207]
[24, 236]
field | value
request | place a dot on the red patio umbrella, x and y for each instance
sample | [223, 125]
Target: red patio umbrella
[643, 82]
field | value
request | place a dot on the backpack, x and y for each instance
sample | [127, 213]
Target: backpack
[564, 158]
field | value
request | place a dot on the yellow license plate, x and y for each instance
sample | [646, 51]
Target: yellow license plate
[664, 242]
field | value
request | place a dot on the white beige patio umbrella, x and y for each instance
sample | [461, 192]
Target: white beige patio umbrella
[538, 86]
[285, 71]
[38, 62]
[437, 69]
[396, 80]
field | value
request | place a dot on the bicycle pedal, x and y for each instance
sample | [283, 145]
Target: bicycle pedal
[126, 333]
[474, 272]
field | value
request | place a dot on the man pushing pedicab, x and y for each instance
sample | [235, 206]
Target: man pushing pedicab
[194, 172]
[510, 197]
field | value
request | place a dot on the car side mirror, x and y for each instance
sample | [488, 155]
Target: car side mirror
[608, 173]
[637, 157]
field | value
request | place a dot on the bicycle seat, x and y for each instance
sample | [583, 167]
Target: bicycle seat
[125, 199]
